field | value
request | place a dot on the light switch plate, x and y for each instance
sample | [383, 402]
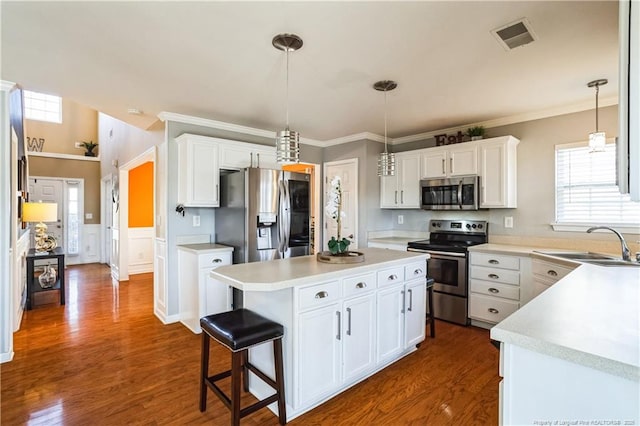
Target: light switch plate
[508, 221]
[88, 215]
[196, 221]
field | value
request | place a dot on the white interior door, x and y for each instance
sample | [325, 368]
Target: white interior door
[50, 191]
[348, 172]
[107, 218]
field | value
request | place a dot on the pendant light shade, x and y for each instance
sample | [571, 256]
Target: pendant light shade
[597, 139]
[287, 141]
[386, 160]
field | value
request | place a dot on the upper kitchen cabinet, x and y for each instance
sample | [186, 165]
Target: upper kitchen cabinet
[238, 155]
[198, 172]
[402, 191]
[498, 172]
[449, 161]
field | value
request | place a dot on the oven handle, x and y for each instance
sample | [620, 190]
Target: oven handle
[440, 253]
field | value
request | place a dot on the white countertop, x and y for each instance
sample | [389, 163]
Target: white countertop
[590, 317]
[204, 248]
[286, 273]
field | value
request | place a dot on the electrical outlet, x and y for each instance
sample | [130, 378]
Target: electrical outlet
[400, 219]
[196, 221]
[508, 221]
[88, 215]
[78, 144]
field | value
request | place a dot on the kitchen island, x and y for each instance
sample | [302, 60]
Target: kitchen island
[572, 354]
[342, 322]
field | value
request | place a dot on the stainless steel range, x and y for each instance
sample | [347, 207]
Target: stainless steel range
[447, 244]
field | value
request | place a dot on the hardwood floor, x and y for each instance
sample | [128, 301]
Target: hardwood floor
[105, 359]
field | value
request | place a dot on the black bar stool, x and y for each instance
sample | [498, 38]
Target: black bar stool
[430, 318]
[238, 330]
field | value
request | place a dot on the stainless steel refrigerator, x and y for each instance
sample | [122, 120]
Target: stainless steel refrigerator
[264, 214]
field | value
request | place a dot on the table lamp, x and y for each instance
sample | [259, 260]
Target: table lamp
[41, 212]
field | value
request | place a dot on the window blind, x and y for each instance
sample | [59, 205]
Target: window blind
[586, 189]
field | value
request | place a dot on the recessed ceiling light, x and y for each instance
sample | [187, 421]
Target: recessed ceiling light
[134, 111]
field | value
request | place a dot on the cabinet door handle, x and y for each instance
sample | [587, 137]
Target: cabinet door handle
[494, 262]
[338, 334]
[361, 285]
[494, 290]
[410, 300]
[444, 172]
[403, 302]
[451, 165]
[493, 276]
[493, 311]
[402, 197]
[552, 273]
[251, 159]
[217, 192]
[417, 271]
[392, 277]
[395, 197]
[348, 321]
[216, 260]
[258, 159]
[321, 295]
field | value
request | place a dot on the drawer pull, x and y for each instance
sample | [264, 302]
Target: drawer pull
[494, 290]
[392, 277]
[321, 295]
[216, 260]
[417, 271]
[552, 273]
[493, 311]
[494, 262]
[493, 276]
[361, 285]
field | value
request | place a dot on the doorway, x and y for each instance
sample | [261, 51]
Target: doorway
[311, 169]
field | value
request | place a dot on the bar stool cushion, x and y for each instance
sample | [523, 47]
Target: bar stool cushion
[240, 328]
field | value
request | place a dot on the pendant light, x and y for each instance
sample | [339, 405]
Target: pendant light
[287, 141]
[386, 160]
[597, 139]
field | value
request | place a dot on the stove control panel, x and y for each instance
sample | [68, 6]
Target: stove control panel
[459, 226]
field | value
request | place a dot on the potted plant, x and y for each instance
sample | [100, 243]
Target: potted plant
[476, 132]
[89, 147]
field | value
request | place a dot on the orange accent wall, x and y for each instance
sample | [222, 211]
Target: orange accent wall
[141, 196]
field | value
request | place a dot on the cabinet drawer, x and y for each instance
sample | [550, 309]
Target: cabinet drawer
[504, 276]
[415, 270]
[490, 309]
[496, 261]
[390, 276]
[495, 289]
[360, 284]
[549, 270]
[213, 260]
[319, 295]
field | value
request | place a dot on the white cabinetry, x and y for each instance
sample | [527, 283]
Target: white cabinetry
[450, 161]
[498, 172]
[201, 295]
[238, 155]
[198, 173]
[546, 273]
[494, 287]
[402, 191]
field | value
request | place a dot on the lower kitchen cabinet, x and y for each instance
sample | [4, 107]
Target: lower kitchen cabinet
[358, 355]
[199, 294]
[546, 273]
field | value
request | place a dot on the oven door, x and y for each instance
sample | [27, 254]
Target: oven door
[449, 271]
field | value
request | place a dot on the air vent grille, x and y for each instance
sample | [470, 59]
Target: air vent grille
[515, 34]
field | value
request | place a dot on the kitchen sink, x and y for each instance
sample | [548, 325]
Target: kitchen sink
[611, 262]
[580, 256]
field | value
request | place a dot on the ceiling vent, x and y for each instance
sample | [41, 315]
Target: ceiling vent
[515, 34]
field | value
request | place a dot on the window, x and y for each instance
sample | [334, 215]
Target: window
[586, 189]
[38, 106]
[73, 218]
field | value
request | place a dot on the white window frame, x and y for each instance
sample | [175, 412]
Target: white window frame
[79, 183]
[48, 103]
[583, 226]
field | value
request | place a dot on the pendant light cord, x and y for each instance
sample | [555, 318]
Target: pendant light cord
[287, 90]
[385, 121]
[597, 90]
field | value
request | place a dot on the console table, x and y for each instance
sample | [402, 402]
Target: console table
[33, 284]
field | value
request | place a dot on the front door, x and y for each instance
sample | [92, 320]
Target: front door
[348, 172]
[50, 191]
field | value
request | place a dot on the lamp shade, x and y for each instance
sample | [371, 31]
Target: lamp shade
[40, 212]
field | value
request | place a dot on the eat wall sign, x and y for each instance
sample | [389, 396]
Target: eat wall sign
[445, 139]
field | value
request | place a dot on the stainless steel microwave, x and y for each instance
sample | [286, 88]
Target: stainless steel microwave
[459, 193]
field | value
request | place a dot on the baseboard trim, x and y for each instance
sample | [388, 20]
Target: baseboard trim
[6, 357]
[166, 319]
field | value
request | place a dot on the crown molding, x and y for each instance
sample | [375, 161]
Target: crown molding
[353, 138]
[505, 121]
[221, 125]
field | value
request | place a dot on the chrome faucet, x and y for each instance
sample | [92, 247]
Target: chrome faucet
[626, 254]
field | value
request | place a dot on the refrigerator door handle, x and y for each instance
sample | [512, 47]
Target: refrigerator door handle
[280, 220]
[287, 215]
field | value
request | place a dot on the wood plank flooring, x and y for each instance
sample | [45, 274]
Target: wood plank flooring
[105, 359]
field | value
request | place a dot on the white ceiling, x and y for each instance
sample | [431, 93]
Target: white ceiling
[215, 60]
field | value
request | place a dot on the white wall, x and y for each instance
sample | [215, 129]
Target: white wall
[140, 243]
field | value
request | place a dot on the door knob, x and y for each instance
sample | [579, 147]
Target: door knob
[350, 236]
